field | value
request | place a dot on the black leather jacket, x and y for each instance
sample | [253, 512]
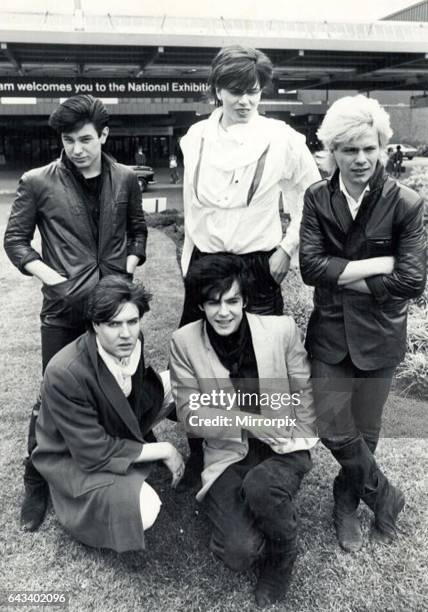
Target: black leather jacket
[370, 327]
[52, 199]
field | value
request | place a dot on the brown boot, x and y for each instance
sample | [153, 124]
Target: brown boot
[345, 518]
[194, 465]
[276, 570]
[387, 502]
[35, 500]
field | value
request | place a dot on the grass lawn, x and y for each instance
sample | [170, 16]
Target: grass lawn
[177, 573]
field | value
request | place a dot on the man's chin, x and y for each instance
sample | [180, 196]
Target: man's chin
[123, 353]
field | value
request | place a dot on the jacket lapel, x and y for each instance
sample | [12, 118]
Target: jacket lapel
[113, 393]
[340, 205]
[376, 184]
[263, 344]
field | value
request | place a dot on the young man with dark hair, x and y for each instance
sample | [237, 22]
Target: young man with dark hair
[99, 405]
[362, 246]
[88, 210]
[241, 381]
[236, 164]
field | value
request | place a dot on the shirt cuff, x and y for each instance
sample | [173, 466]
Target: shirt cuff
[33, 256]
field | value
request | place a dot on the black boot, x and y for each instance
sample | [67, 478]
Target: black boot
[345, 518]
[387, 502]
[276, 570]
[195, 464]
[36, 495]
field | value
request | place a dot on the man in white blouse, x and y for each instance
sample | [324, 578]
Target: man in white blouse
[236, 163]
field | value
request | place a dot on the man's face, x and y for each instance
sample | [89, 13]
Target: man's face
[224, 313]
[119, 335]
[239, 106]
[357, 159]
[83, 148]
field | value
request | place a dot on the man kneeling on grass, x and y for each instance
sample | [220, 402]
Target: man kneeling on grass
[241, 382]
[94, 440]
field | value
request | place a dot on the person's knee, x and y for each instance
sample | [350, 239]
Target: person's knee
[150, 505]
[239, 554]
[338, 442]
[272, 502]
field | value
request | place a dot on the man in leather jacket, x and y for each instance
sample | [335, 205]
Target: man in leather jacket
[362, 246]
[88, 211]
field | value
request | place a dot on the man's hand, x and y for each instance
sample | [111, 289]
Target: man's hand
[45, 273]
[131, 263]
[279, 264]
[174, 462]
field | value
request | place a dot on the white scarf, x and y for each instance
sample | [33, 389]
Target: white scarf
[122, 369]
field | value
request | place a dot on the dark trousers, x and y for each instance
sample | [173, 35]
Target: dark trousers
[53, 339]
[349, 404]
[264, 298]
[252, 503]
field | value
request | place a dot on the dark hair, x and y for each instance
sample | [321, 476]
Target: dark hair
[76, 112]
[109, 294]
[239, 68]
[213, 275]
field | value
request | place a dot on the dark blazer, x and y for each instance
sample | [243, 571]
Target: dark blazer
[52, 199]
[370, 327]
[88, 438]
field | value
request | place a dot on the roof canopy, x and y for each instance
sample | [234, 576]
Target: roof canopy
[364, 56]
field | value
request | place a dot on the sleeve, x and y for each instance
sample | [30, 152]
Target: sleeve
[408, 278]
[136, 223]
[77, 420]
[304, 173]
[189, 141]
[299, 377]
[21, 226]
[316, 266]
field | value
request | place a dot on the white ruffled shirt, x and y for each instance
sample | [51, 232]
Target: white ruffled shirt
[217, 217]
[122, 369]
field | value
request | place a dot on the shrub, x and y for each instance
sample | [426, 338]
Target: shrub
[418, 180]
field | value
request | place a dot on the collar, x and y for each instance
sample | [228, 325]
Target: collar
[106, 162]
[375, 183]
[351, 200]
[121, 369]
[240, 145]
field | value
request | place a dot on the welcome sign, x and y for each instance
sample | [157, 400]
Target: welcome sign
[36, 87]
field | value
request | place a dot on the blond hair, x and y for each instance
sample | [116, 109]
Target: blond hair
[349, 118]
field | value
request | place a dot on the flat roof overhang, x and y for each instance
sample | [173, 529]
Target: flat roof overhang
[306, 55]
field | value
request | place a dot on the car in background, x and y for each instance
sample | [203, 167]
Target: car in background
[407, 150]
[145, 175]
[423, 150]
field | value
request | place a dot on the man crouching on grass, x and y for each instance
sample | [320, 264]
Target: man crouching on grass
[94, 440]
[253, 463]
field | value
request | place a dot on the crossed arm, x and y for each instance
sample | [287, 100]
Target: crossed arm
[400, 276]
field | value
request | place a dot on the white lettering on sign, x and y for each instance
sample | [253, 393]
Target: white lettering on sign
[148, 87]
